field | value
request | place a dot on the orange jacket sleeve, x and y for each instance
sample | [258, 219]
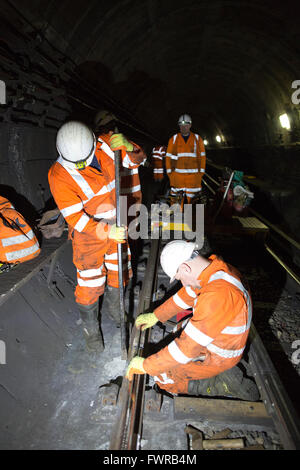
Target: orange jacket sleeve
[68, 200]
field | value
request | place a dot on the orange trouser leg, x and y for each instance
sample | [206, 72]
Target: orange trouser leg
[88, 257]
[111, 264]
[177, 380]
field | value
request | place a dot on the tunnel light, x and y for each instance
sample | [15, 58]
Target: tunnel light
[284, 121]
[218, 138]
[205, 142]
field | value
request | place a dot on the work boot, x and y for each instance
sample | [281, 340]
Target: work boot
[111, 304]
[230, 383]
[91, 329]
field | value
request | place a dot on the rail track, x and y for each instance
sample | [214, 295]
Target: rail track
[274, 412]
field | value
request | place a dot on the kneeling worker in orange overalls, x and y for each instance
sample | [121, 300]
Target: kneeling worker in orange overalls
[84, 191]
[202, 359]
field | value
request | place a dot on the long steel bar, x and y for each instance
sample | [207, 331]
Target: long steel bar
[117, 155]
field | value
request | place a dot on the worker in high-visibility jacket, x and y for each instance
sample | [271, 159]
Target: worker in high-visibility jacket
[213, 339]
[159, 171]
[158, 157]
[185, 161]
[84, 191]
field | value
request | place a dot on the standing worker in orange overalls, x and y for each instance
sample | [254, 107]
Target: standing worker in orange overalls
[201, 360]
[185, 160]
[84, 191]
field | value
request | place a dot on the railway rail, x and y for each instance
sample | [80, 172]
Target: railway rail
[274, 411]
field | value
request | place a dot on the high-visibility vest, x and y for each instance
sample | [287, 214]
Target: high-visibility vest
[158, 155]
[18, 242]
[185, 157]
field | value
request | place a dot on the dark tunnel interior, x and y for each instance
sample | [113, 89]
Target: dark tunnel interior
[233, 65]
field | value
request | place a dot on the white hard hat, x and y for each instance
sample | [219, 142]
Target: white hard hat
[104, 117]
[76, 143]
[185, 119]
[174, 254]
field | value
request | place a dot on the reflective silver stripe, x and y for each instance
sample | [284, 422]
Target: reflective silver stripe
[177, 354]
[227, 353]
[202, 170]
[193, 190]
[114, 267]
[165, 379]
[157, 156]
[91, 282]
[184, 154]
[105, 215]
[82, 223]
[133, 189]
[72, 209]
[202, 154]
[190, 292]
[235, 330]
[90, 272]
[174, 138]
[18, 254]
[179, 302]
[158, 170]
[169, 170]
[197, 335]
[191, 170]
[106, 189]
[17, 239]
[186, 170]
[78, 178]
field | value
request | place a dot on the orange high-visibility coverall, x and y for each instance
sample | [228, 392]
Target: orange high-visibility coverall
[185, 164]
[217, 332]
[158, 156]
[86, 199]
[18, 242]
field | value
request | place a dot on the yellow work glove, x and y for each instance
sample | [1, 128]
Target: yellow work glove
[119, 141]
[135, 367]
[146, 320]
[118, 233]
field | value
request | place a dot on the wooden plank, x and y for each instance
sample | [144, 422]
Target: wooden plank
[17, 277]
[222, 411]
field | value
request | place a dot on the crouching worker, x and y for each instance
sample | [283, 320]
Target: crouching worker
[18, 242]
[202, 359]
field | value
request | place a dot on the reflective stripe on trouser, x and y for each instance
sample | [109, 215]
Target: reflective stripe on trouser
[97, 262]
[177, 379]
[190, 184]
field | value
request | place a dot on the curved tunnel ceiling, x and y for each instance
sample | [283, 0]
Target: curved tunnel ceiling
[230, 64]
